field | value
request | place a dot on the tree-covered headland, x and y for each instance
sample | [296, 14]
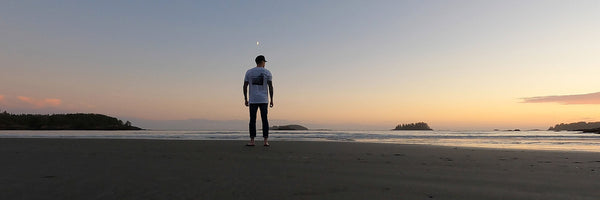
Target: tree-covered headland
[78, 121]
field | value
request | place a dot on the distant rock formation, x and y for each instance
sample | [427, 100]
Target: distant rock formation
[594, 130]
[291, 127]
[77, 121]
[577, 126]
[413, 126]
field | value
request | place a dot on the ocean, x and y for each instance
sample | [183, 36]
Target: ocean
[531, 140]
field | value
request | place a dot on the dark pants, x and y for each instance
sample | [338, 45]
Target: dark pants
[263, 116]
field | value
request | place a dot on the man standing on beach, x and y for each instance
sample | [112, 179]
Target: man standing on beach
[259, 80]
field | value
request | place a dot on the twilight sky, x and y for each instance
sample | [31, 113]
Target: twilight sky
[453, 64]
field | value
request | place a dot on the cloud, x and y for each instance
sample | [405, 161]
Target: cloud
[592, 98]
[41, 103]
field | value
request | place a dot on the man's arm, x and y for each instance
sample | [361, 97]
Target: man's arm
[270, 83]
[246, 93]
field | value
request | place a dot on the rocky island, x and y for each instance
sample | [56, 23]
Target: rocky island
[78, 121]
[291, 127]
[413, 127]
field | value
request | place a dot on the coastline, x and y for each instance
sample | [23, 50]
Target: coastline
[530, 140]
[226, 169]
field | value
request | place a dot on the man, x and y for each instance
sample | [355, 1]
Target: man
[258, 79]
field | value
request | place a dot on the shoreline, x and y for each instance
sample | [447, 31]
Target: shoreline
[226, 169]
[316, 140]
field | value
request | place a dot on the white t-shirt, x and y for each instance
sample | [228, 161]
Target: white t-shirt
[259, 89]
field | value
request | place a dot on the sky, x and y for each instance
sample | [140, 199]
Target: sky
[456, 65]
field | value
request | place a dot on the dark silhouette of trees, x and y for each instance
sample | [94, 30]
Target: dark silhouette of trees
[413, 126]
[575, 126]
[78, 121]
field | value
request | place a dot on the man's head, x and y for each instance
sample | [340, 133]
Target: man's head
[260, 61]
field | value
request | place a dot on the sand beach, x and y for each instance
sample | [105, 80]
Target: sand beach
[179, 169]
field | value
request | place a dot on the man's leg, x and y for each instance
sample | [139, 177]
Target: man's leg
[252, 125]
[265, 121]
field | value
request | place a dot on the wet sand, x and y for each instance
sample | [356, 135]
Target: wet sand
[176, 169]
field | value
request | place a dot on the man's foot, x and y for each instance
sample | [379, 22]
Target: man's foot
[251, 143]
[267, 145]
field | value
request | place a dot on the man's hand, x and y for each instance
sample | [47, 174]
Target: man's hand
[271, 104]
[246, 83]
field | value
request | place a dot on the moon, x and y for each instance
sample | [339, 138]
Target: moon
[257, 43]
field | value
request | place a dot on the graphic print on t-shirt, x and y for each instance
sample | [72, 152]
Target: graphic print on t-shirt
[259, 80]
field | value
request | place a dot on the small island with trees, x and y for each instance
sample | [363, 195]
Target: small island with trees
[77, 121]
[420, 126]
